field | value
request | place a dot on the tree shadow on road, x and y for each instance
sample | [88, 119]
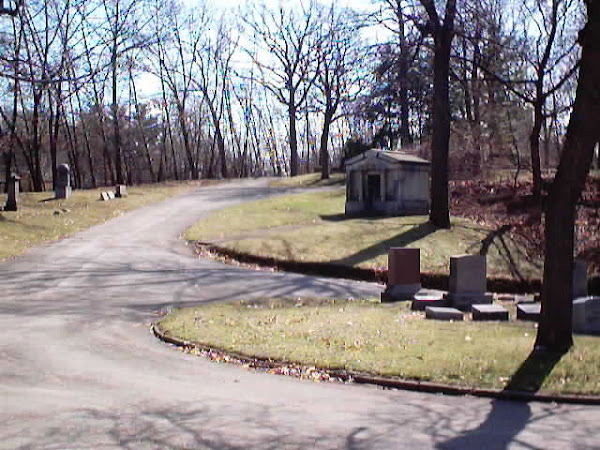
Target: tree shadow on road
[509, 418]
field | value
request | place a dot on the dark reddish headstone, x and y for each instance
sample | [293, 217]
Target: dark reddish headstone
[404, 274]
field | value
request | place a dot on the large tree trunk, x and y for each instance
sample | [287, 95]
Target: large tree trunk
[440, 208]
[583, 133]
[324, 150]
[294, 162]
[221, 147]
[534, 147]
[116, 126]
[8, 158]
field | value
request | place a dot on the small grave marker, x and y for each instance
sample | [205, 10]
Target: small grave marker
[529, 311]
[586, 315]
[13, 193]
[489, 312]
[121, 191]
[104, 196]
[423, 300]
[63, 182]
[441, 313]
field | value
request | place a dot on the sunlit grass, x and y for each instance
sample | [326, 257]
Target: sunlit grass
[309, 180]
[311, 227]
[369, 337]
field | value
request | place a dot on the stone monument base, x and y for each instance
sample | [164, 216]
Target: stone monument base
[465, 300]
[399, 292]
[63, 192]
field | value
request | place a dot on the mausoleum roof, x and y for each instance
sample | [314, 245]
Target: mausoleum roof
[388, 156]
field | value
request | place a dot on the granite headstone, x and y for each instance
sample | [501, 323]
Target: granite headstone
[468, 282]
[586, 315]
[63, 181]
[13, 193]
[404, 274]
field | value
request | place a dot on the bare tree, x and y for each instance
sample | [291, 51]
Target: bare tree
[284, 43]
[338, 60]
[552, 62]
[124, 33]
[213, 62]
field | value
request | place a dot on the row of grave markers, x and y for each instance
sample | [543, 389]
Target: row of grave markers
[468, 292]
[63, 188]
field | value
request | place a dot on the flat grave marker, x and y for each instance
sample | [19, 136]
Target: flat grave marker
[489, 312]
[443, 313]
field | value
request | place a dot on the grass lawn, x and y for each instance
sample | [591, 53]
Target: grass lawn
[41, 218]
[311, 227]
[388, 340]
[310, 180]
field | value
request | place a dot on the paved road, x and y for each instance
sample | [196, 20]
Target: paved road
[80, 369]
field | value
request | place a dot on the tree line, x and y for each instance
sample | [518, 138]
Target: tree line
[131, 91]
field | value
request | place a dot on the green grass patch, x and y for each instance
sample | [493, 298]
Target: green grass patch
[388, 340]
[310, 180]
[41, 218]
[311, 227]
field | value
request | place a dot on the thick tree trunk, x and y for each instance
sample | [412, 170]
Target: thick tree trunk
[583, 134]
[116, 126]
[221, 147]
[534, 147]
[8, 158]
[324, 150]
[294, 162]
[440, 208]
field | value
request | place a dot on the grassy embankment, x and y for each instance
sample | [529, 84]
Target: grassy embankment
[41, 218]
[389, 340]
[311, 227]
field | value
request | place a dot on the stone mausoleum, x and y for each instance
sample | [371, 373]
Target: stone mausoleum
[388, 183]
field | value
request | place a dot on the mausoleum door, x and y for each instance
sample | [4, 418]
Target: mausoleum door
[373, 190]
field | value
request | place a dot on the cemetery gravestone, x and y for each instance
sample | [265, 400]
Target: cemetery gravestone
[529, 311]
[489, 312]
[468, 282]
[579, 279]
[424, 299]
[121, 191]
[404, 274]
[13, 193]
[63, 182]
[441, 313]
[104, 196]
[586, 315]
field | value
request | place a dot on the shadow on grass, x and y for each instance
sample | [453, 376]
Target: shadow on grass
[533, 371]
[382, 248]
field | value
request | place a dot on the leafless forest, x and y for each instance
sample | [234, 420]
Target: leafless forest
[130, 91]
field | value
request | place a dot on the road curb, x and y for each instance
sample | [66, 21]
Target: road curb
[389, 382]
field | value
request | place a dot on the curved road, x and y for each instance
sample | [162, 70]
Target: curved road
[80, 369]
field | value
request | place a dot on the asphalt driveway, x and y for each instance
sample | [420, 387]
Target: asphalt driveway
[79, 367]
